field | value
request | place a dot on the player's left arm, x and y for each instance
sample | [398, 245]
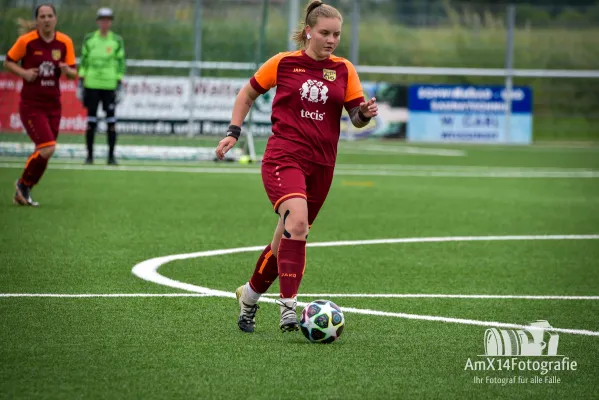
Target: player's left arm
[68, 66]
[119, 55]
[120, 58]
[360, 111]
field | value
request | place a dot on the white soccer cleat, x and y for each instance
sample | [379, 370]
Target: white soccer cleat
[288, 320]
[247, 310]
[22, 196]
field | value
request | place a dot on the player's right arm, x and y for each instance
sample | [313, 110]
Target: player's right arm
[83, 63]
[243, 102]
[82, 67]
[263, 80]
[16, 54]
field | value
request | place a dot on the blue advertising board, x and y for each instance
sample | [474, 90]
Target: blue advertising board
[454, 113]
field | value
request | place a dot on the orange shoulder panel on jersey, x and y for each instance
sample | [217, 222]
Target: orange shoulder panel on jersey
[354, 87]
[266, 76]
[70, 56]
[18, 50]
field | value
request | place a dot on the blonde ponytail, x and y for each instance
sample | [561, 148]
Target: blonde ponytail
[25, 26]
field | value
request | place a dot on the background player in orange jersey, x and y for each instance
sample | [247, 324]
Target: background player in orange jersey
[44, 55]
[313, 86]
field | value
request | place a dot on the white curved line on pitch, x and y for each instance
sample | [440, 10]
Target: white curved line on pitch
[148, 270]
[439, 296]
[102, 295]
[321, 295]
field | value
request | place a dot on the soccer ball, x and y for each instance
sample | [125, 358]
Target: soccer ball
[322, 321]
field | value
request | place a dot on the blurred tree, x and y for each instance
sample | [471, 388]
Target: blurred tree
[527, 14]
[593, 14]
[572, 18]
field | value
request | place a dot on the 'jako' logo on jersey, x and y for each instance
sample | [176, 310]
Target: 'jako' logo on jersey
[314, 91]
[313, 115]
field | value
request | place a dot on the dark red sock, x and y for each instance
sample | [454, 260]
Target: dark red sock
[292, 261]
[266, 271]
[34, 169]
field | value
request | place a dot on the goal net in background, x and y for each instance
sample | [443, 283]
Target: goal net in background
[178, 108]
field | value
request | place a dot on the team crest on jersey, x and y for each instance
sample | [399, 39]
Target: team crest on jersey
[329, 74]
[314, 91]
[46, 69]
[108, 50]
[56, 54]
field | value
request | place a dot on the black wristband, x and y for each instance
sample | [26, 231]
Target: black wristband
[234, 131]
[362, 116]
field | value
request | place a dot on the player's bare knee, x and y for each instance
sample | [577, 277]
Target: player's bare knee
[294, 213]
[47, 152]
[296, 228]
[299, 229]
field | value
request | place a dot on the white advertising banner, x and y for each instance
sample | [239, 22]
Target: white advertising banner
[161, 105]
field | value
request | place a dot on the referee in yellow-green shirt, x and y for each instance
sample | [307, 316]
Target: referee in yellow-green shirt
[101, 69]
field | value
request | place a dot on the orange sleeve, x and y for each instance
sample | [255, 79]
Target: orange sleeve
[17, 51]
[354, 87]
[266, 76]
[70, 55]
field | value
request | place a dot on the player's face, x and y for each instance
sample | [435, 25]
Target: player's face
[46, 20]
[104, 24]
[325, 36]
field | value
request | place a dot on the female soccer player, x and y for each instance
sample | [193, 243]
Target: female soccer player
[44, 54]
[313, 86]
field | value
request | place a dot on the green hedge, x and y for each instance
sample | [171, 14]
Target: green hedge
[381, 43]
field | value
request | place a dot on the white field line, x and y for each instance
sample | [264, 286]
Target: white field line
[132, 162]
[378, 149]
[148, 270]
[343, 149]
[461, 168]
[463, 321]
[342, 172]
[233, 165]
[339, 166]
[143, 168]
[438, 296]
[546, 147]
[93, 295]
[452, 239]
[550, 146]
[321, 295]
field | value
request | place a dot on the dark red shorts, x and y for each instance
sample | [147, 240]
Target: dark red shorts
[41, 125]
[288, 178]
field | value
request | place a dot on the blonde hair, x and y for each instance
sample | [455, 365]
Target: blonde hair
[25, 26]
[314, 10]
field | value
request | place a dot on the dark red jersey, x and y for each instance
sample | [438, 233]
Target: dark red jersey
[306, 111]
[34, 52]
